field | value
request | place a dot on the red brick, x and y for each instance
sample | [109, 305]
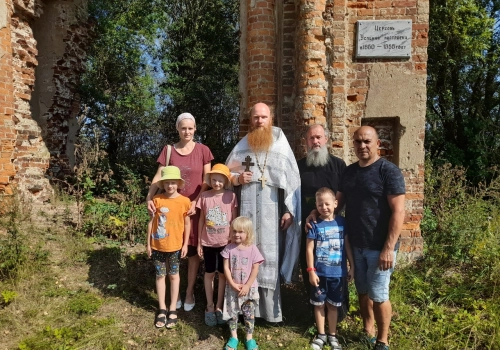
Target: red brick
[404, 3]
[357, 5]
[382, 4]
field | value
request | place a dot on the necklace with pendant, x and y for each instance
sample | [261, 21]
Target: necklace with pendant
[262, 178]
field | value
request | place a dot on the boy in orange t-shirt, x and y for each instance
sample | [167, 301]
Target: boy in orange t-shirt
[168, 235]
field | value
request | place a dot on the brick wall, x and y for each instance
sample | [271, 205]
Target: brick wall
[37, 145]
[311, 85]
[31, 158]
[285, 113]
[61, 117]
[261, 57]
[7, 131]
[333, 88]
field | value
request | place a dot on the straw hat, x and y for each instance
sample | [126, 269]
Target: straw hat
[219, 169]
[172, 173]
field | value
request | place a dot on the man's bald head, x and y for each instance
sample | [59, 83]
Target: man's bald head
[366, 130]
[260, 108]
[366, 143]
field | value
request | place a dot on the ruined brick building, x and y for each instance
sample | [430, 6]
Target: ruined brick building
[299, 56]
[42, 51]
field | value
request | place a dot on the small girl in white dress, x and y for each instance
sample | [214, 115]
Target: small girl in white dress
[241, 266]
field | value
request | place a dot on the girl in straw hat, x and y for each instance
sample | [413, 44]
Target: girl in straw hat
[217, 210]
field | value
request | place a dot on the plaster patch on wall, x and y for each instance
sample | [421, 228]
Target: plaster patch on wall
[3, 16]
[396, 92]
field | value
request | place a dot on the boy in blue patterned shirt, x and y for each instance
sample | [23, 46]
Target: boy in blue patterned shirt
[327, 247]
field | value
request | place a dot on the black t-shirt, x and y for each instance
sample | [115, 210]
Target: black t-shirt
[313, 178]
[365, 191]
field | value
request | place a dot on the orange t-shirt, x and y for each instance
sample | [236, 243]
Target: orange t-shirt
[167, 233]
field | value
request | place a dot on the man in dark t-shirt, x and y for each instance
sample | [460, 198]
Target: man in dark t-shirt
[318, 169]
[373, 191]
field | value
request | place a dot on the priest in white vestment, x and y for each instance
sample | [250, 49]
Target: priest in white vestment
[270, 197]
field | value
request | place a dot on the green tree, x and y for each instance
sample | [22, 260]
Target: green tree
[200, 56]
[463, 85]
[150, 61]
[119, 88]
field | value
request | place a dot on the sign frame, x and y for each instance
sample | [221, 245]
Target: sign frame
[383, 38]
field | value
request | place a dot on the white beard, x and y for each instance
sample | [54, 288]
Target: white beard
[317, 158]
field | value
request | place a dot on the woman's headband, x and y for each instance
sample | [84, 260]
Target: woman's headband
[183, 116]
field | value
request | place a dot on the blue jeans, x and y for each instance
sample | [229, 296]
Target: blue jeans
[368, 278]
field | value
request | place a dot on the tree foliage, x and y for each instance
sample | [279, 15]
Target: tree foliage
[200, 58]
[150, 61]
[463, 99]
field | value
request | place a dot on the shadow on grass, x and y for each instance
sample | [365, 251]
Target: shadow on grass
[116, 274]
[132, 278]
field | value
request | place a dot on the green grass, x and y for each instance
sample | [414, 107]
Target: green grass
[60, 289]
[107, 301]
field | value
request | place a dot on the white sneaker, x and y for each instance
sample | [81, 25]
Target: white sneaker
[178, 305]
[188, 306]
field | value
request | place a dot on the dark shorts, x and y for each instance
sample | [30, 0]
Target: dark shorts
[330, 289]
[192, 251]
[162, 259]
[213, 260]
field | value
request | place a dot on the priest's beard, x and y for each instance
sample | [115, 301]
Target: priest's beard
[260, 139]
[317, 157]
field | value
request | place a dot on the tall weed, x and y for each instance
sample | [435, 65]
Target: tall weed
[451, 295]
[112, 197]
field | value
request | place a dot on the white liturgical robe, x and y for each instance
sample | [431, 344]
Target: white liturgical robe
[259, 201]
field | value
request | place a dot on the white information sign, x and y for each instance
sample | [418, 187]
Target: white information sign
[384, 39]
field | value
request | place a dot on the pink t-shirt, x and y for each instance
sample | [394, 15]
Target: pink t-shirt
[218, 209]
[241, 262]
[191, 167]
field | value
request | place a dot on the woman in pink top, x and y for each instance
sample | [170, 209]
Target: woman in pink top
[193, 159]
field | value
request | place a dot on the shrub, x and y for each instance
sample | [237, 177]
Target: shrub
[451, 294]
[14, 252]
[7, 297]
[84, 303]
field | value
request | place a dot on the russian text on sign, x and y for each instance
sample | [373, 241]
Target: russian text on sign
[384, 39]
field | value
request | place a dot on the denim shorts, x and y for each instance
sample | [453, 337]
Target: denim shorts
[329, 289]
[368, 278]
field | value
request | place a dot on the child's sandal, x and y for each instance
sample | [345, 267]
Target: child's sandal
[219, 317]
[232, 344]
[171, 322]
[318, 342]
[251, 344]
[161, 317]
[210, 319]
[334, 342]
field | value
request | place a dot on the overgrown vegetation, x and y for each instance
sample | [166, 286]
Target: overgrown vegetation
[151, 61]
[452, 295]
[96, 293]
[463, 104]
